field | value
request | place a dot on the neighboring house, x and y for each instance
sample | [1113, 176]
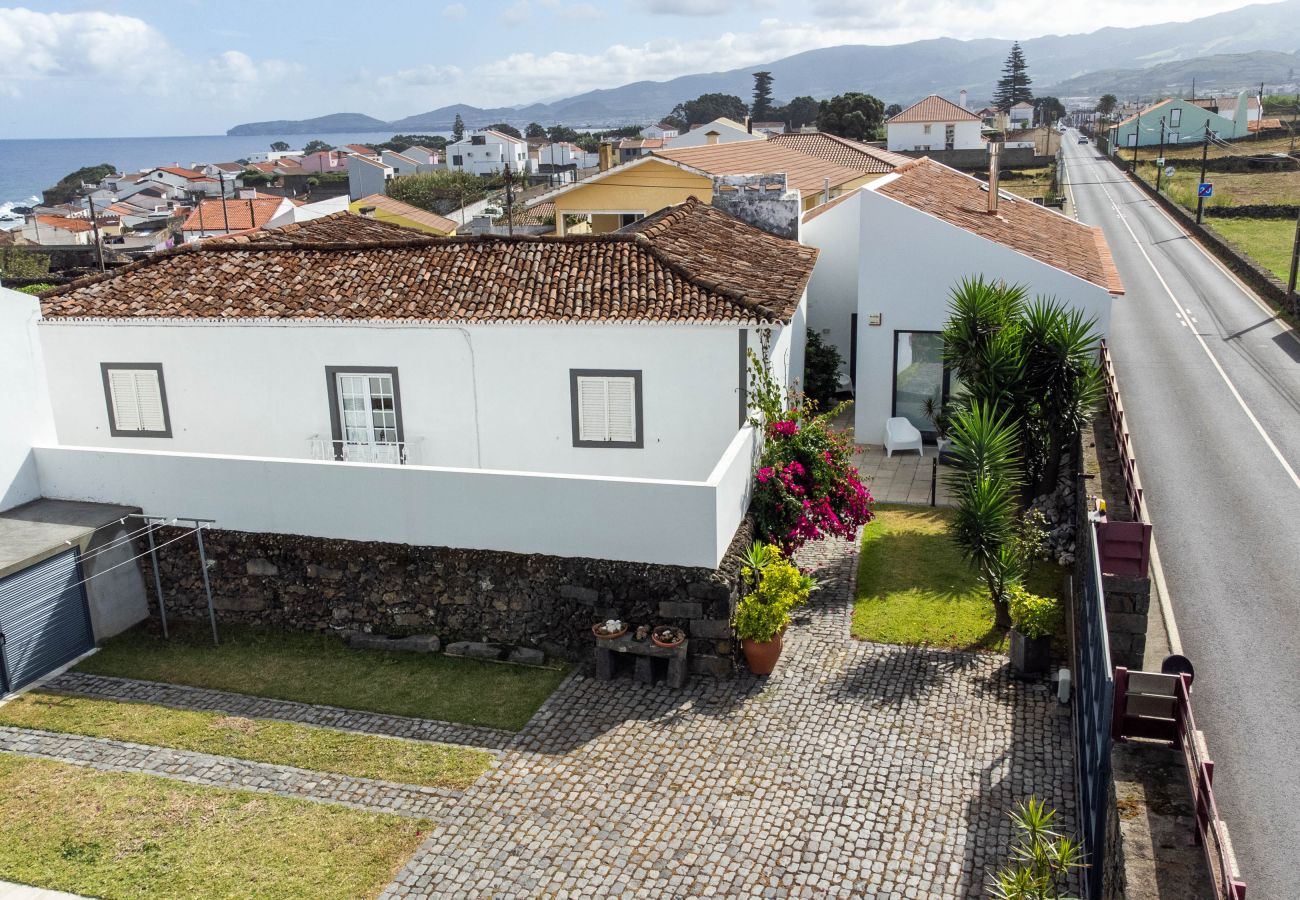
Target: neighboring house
[842, 151]
[564, 156]
[488, 152]
[989, 116]
[719, 131]
[1021, 115]
[768, 128]
[660, 131]
[273, 155]
[892, 252]
[631, 148]
[1184, 122]
[367, 176]
[395, 212]
[423, 155]
[324, 162]
[297, 213]
[619, 196]
[935, 124]
[402, 164]
[57, 230]
[361, 150]
[368, 385]
[179, 183]
[211, 218]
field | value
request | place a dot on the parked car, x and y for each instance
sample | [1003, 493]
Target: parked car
[1083, 140]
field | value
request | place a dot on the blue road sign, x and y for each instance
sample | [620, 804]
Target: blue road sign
[1205, 189]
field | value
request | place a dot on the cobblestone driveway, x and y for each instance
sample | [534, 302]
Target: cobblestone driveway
[857, 770]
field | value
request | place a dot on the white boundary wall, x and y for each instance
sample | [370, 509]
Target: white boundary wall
[24, 401]
[688, 523]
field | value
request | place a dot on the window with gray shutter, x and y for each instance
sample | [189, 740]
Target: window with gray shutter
[137, 400]
[606, 407]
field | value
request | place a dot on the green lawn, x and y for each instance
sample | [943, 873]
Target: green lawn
[320, 668]
[282, 743]
[109, 834]
[914, 588]
[1267, 241]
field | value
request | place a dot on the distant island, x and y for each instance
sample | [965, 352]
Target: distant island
[336, 123]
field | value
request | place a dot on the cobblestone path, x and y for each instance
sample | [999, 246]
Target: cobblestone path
[104, 687]
[857, 770]
[227, 772]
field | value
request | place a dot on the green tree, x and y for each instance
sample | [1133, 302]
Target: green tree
[892, 110]
[821, 370]
[256, 178]
[18, 263]
[853, 115]
[279, 146]
[534, 130]
[1047, 110]
[400, 142]
[1013, 86]
[69, 186]
[562, 133]
[506, 128]
[799, 112]
[1106, 105]
[707, 107]
[439, 192]
[316, 147]
[458, 128]
[761, 108]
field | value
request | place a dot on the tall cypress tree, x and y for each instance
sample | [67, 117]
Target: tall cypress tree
[1013, 86]
[458, 128]
[761, 109]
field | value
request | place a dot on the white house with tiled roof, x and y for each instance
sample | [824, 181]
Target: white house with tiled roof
[935, 124]
[891, 253]
[350, 379]
[720, 131]
[488, 152]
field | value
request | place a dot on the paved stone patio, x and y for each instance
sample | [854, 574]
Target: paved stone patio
[226, 772]
[856, 770]
[104, 687]
[902, 478]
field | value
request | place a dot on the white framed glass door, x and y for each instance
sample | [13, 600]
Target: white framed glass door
[367, 403]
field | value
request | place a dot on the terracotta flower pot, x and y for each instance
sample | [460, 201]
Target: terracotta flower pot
[677, 637]
[762, 655]
[595, 629]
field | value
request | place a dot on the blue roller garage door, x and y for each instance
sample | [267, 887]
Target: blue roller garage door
[44, 620]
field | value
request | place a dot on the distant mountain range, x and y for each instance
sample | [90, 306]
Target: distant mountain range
[1062, 65]
[1222, 73]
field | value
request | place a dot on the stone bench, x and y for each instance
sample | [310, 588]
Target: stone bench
[644, 654]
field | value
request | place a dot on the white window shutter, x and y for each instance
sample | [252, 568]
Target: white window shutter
[591, 410]
[149, 397]
[137, 400]
[621, 409]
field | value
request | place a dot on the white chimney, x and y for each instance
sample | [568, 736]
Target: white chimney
[962, 98]
[246, 193]
[995, 150]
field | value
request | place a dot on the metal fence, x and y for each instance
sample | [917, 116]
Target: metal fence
[1093, 707]
[1119, 424]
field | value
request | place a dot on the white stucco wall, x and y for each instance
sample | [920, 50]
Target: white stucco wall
[833, 288]
[698, 137]
[909, 135]
[907, 263]
[24, 402]
[487, 396]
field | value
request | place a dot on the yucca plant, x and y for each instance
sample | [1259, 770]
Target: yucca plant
[1041, 857]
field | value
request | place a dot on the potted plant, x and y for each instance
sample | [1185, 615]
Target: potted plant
[1033, 621]
[777, 587]
[609, 629]
[938, 414]
[667, 636]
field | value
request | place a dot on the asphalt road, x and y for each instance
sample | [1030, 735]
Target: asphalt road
[1211, 382]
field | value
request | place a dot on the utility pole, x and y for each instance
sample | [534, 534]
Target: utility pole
[1160, 157]
[225, 214]
[1260, 125]
[1205, 153]
[94, 225]
[510, 205]
[1137, 137]
[1295, 266]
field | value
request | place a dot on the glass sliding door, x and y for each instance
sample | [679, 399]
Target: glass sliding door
[919, 375]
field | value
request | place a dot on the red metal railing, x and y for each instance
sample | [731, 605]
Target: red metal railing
[1119, 424]
[1159, 707]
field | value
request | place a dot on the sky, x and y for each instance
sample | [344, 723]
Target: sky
[175, 67]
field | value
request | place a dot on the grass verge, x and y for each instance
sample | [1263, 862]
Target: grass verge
[1267, 241]
[320, 668]
[281, 743]
[914, 587]
[109, 834]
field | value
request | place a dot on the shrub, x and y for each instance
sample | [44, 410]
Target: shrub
[38, 288]
[1041, 857]
[806, 486]
[1032, 615]
[821, 370]
[776, 587]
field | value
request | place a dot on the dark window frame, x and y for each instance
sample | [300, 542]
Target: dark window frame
[113, 430]
[945, 391]
[638, 406]
[336, 419]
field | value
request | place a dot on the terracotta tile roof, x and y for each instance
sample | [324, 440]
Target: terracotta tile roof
[65, 223]
[237, 216]
[179, 172]
[1020, 224]
[341, 227]
[537, 214]
[804, 172]
[690, 263]
[386, 204]
[358, 148]
[1266, 124]
[934, 109]
[841, 151]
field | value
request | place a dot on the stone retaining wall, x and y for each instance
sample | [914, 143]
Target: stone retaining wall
[548, 602]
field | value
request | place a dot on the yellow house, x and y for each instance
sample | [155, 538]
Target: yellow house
[622, 194]
[386, 209]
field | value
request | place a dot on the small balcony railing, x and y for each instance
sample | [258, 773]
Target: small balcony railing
[391, 452]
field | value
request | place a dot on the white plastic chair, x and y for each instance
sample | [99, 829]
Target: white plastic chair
[900, 434]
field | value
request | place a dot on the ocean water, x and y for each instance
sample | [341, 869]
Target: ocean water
[30, 165]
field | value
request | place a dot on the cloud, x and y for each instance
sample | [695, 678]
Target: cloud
[455, 11]
[420, 76]
[693, 7]
[516, 13]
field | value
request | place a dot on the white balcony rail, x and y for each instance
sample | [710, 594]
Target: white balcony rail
[391, 452]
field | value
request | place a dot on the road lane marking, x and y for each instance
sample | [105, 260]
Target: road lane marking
[1241, 401]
